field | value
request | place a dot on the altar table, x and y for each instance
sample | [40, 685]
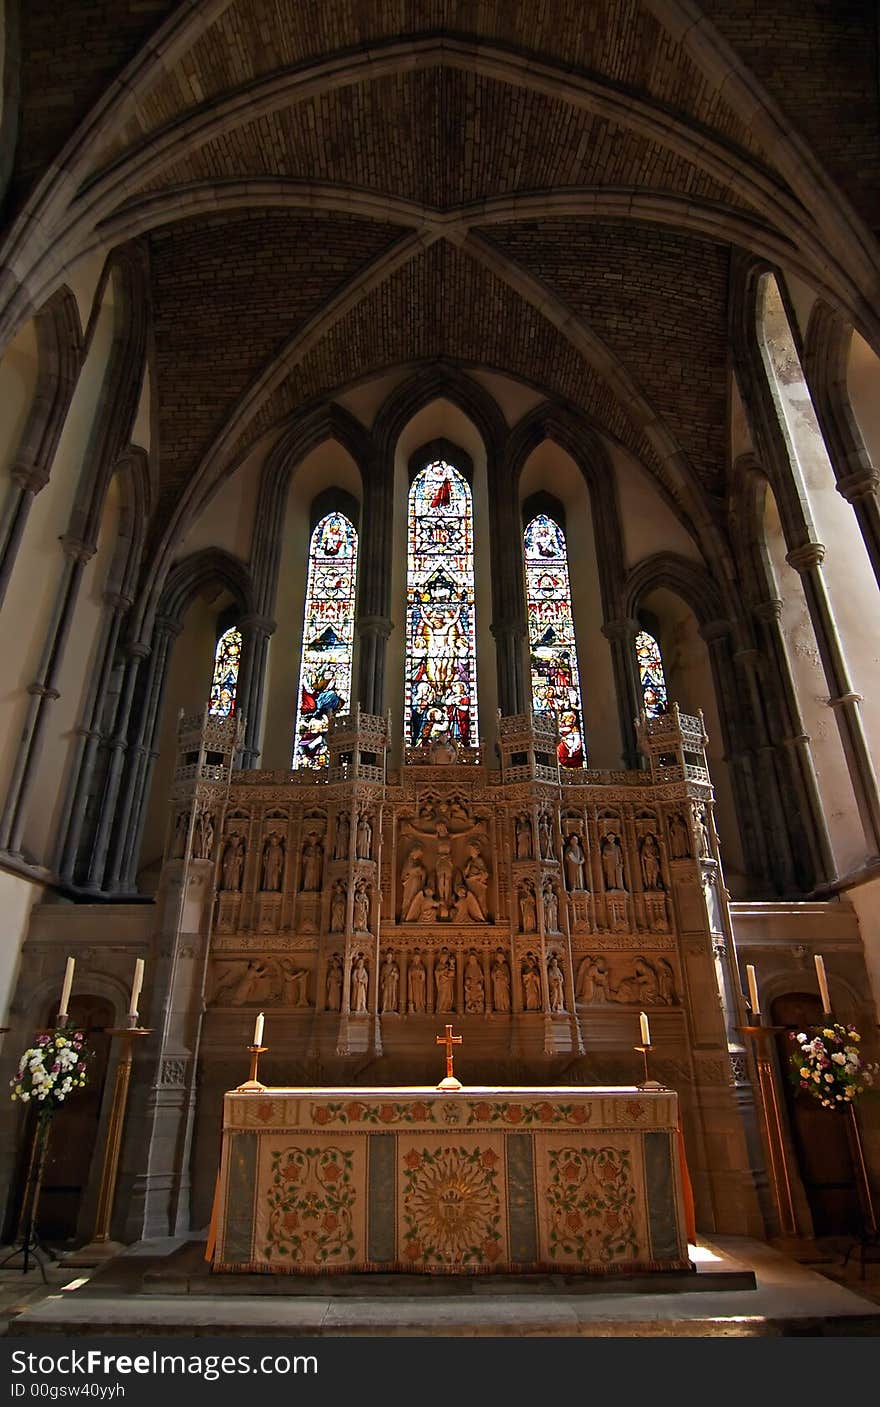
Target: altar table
[481, 1180]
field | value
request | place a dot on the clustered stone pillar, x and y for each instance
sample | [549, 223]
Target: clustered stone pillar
[372, 636]
[256, 632]
[621, 636]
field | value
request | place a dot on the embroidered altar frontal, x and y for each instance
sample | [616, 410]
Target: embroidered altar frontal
[578, 1180]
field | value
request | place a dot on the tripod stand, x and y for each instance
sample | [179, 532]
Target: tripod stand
[27, 1242]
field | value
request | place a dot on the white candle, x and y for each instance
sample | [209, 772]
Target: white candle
[65, 990]
[823, 985]
[258, 1029]
[645, 1028]
[137, 982]
[753, 992]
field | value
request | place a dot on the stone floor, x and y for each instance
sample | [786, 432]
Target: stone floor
[742, 1288]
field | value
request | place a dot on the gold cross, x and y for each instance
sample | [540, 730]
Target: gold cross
[449, 1040]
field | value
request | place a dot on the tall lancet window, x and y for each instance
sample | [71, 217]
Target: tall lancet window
[328, 638]
[651, 676]
[227, 658]
[556, 684]
[441, 652]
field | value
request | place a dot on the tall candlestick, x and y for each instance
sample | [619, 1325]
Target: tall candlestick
[645, 1028]
[258, 1029]
[136, 984]
[823, 985]
[65, 990]
[753, 992]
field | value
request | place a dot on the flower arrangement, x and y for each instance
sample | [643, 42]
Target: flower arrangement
[827, 1064]
[51, 1070]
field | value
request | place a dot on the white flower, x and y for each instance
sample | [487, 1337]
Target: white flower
[839, 1058]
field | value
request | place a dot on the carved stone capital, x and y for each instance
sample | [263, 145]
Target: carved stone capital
[861, 484]
[380, 626]
[625, 629]
[76, 549]
[29, 477]
[258, 625]
[42, 691]
[806, 557]
[713, 630]
[768, 610]
[848, 698]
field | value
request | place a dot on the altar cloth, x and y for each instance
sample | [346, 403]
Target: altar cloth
[479, 1180]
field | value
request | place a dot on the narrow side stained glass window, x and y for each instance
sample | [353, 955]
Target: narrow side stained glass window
[328, 637]
[556, 684]
[441, 652]
[227, 658]
[651, 676]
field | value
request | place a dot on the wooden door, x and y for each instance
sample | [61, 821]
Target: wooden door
[819, 1135]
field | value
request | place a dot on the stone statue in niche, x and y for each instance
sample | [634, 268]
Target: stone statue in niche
[666, 992]
[412, 879]
[476, 877]
[528, 910]
[545, 832]
[705, 839]
[312, 863]
[416, 983]
[273, 863]
[466, 909]
[523, 835]
[650, 862]
[575, 859]
[444, 981]
[360, 986]
[679, 840]
[390, 983]
[612, 862]
[474, 984]
[295, 983]
[361, 907]
[364, 847]
[343, 830]
[550, 900]
[178, 845]
[203, 836]
[555, 984]
[531, 983]
[592, 980]
[337, 907]
[233, 863]
[333, 984]
[500, 975]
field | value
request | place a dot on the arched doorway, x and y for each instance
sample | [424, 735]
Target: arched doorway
[819, 1135]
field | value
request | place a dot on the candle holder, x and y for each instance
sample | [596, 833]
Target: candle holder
[253, 1083]
[647, 1082]
[100, 1247]
[777, 1158]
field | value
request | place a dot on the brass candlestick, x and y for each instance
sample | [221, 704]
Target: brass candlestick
[647, 1083]
[253, 1083]
[777, 1158]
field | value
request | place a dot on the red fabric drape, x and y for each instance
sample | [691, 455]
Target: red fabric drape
[690, 1221]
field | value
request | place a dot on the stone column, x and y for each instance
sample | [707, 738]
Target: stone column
[23, 489]
[621, 635]
[861, 489]
[514, 683]
[256, 632]
[807, 561]
[372, 633]
[781, 859]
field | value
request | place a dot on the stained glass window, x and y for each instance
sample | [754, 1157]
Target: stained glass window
[651, 676]
[552, 652]
[441, 654]
[227, 658]
[328, 637]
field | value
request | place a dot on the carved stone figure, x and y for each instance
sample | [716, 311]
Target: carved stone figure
[592, 980]
[545, 832]
[312, 864]
[650, 862]
[364, 850]
[527, 908]
[416, 983]
[249, 980]
[295, 981]
[639, 986]
[412, 877]
[343, 830]
[233, 863]
[703, 832]
[273, 862]
[203, 839]
[444, 870]
[500, 974]
[574, 862]
[333, 986]
[178, 845]
[360, 984]
[531, 984]
[666, 992]
[550, 900]
[474, 985]
[523, 832]
[424, 906]
[361, 907]
[679, 840]
[444, 981]
[476, 877]
[390, 985]
[555, 984]
[337, 907]
[612, 862]
[466, 909]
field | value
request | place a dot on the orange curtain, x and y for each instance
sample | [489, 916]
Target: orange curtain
[690, 1221]
[212, 1226]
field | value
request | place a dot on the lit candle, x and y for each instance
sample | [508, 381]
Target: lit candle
[753, 992]
[645, 1028]
[823, 985]
[136, 984]
[258, 1030]
[65, 990]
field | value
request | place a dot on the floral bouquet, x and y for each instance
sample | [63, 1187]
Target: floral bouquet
[51, 1070]
[827, 1064]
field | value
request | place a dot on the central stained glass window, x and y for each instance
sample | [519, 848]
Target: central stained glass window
[441, 652]
[328, 637]
[552, 652]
